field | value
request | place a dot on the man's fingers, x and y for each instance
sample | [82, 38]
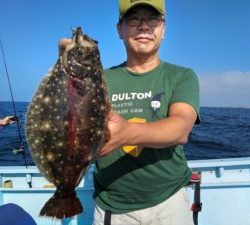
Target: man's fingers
[63, 43]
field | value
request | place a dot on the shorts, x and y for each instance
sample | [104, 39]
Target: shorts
[174, 211]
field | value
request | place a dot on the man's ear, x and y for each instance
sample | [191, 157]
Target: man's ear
[163, 33]
[119, 30]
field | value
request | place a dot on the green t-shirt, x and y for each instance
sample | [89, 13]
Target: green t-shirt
[130, 179]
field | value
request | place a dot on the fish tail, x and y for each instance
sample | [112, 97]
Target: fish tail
[62, 206]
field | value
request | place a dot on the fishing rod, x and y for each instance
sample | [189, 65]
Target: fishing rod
[21, 147]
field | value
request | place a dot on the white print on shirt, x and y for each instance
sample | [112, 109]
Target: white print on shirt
[156, 104]
[123, 102]
[131, 96]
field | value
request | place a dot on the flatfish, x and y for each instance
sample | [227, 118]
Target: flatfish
[66, 122]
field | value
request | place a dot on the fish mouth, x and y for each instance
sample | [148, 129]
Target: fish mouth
[79, 70]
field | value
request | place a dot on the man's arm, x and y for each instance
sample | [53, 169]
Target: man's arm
[7, 121]
[172, 130]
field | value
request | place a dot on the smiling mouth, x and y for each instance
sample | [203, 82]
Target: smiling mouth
[143, 39]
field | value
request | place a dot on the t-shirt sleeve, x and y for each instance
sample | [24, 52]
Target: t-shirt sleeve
[186, 90]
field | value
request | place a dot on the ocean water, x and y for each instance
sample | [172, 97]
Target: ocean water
[222, 133]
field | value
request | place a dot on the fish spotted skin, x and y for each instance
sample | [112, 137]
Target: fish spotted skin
[66, 122]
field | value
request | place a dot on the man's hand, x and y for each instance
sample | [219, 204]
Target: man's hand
[7, 120]
[62, 44]
[119, 133]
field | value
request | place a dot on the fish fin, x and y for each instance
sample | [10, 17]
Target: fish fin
[62, 207]
[83, 173]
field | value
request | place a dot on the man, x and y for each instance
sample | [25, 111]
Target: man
[141, 177]
[142, 171]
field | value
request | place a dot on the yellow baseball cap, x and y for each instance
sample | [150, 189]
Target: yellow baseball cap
[125, 5]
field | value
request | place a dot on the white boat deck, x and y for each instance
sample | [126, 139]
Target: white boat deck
[225, 192]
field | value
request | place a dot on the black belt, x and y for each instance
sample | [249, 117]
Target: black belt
[197, 205]
[107, 218]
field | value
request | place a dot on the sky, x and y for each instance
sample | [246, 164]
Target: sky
[210, 36]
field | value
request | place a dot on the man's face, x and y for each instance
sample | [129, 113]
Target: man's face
[142, 30]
